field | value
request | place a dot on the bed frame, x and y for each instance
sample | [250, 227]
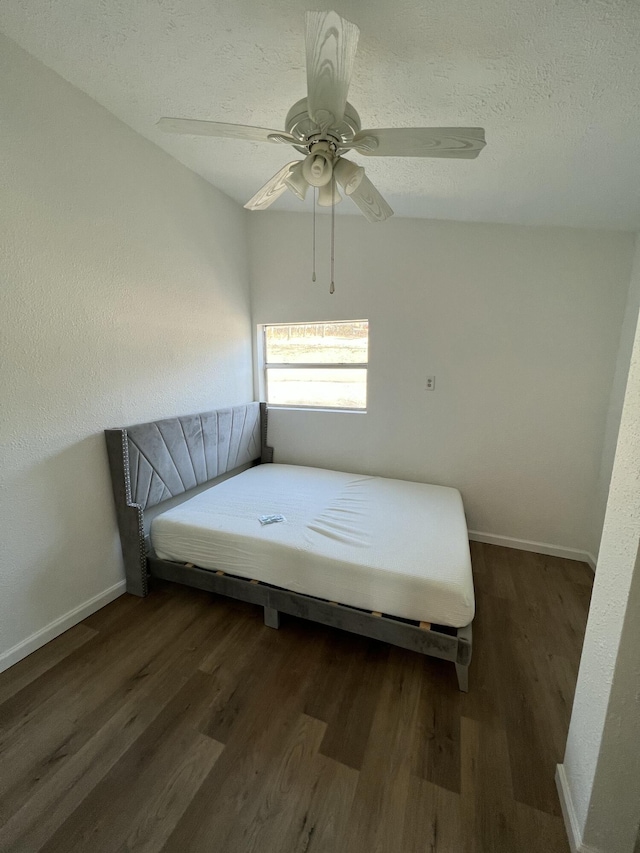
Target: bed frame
[163, 463]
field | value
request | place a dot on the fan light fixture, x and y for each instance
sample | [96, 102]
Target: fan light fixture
[317, 168]
[297, 182]
[348, 174]
[328, 195]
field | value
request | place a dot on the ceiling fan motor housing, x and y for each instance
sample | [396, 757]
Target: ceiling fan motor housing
[300, 124]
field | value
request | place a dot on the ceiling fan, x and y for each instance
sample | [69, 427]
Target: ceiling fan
[324, 125]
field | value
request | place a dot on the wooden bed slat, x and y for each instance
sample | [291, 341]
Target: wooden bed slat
[426, 626]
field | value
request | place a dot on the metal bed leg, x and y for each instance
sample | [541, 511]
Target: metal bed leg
[465, 643]
[271, 617]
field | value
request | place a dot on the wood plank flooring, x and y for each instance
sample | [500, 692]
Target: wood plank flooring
[180, 723]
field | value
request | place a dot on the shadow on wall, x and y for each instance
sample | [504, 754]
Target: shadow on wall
[75, 553]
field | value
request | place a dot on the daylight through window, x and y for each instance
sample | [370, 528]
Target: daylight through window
[317, 365]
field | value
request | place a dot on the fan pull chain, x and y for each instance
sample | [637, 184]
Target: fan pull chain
[313, 275]
[332, 286]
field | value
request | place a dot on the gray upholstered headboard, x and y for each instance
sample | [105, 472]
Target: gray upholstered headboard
[154, 462]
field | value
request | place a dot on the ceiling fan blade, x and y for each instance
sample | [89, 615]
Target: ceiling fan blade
[331, 44]
[370, 202]
[460, 142]
[219, 128]
[272, 190]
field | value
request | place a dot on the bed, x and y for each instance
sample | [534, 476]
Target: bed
[383, 558]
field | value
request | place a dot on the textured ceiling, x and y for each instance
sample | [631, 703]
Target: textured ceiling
[556, 84]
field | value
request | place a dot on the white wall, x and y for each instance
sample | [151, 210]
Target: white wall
[616, 398]
[600, 777]
[520, 327]
[124, 297]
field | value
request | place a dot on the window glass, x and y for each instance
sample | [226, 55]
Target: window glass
[317, 343]
[321, 365]
[338, 388]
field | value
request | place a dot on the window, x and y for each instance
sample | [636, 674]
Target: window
[317, 365]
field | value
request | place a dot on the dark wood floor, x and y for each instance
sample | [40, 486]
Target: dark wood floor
[180, 723]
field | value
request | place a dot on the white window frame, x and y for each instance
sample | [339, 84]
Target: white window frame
[263, 364]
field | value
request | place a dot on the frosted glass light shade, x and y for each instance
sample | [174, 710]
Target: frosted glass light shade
[326, 198]
[297, 182]
[317, 169]
[348, 174]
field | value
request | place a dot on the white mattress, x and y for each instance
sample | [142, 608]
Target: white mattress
[379, 544]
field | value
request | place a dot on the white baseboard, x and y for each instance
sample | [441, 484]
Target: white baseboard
[535, 547]
[574, 835]
[59, 626]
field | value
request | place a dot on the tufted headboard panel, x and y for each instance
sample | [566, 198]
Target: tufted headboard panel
[169, 457]
[151, 463]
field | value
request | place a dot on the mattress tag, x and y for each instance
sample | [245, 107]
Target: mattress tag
[270, 519]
